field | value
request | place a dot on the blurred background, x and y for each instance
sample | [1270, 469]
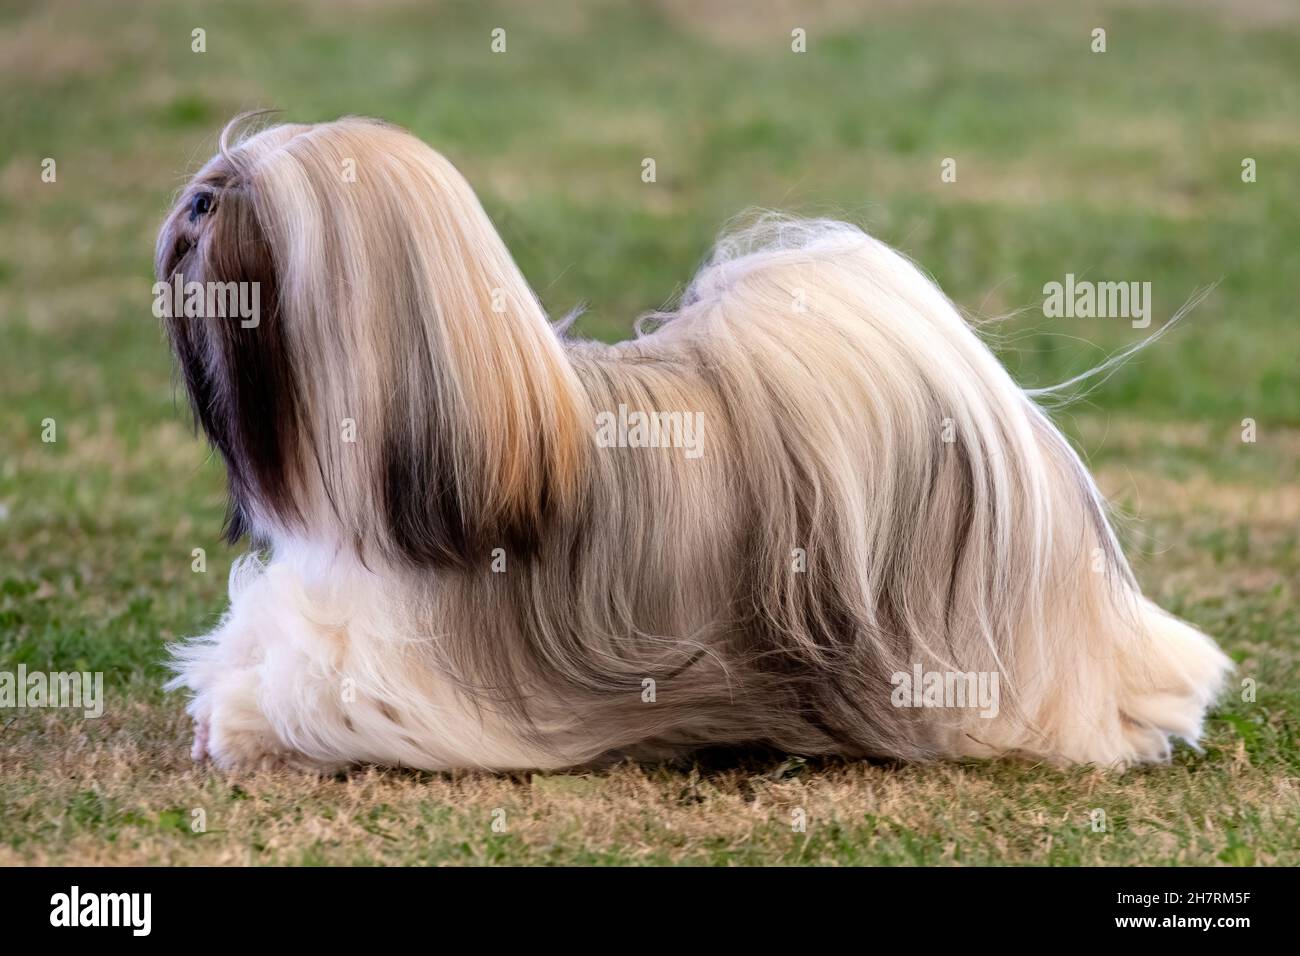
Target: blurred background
[1116, 165]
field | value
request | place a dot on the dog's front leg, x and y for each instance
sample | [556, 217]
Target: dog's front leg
[250, 679]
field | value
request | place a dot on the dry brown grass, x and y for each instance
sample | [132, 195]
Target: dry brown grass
[128, 797]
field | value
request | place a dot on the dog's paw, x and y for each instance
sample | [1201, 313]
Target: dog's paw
[237, 740]
[232, 732]
[236, 744]
[232, 729]
[199, 749]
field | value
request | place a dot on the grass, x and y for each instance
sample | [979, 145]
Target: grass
[1122, 165]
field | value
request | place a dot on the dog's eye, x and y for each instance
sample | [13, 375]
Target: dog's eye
[200, 205]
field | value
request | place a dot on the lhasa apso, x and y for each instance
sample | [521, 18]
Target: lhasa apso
[808, 509]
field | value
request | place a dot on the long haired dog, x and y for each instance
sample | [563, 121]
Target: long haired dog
[808, 509]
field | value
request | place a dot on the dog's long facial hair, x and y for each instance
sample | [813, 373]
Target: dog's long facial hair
[454, 572]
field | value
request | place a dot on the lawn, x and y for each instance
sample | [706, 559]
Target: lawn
[1116, 165]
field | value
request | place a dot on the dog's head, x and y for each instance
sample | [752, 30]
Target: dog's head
[399, 386]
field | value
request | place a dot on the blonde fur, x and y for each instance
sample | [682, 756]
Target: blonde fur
[476, 582]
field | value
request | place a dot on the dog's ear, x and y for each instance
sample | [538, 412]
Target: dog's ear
[472, 464]
[441, 343]
[262, 386]
[236, 366]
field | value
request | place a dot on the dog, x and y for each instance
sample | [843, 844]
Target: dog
[807, 509]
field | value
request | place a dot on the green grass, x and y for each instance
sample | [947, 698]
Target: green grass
[1122, 165]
